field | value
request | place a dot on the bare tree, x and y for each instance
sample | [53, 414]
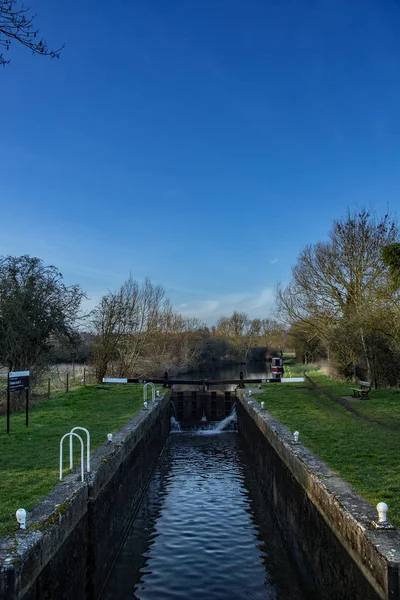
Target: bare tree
[123, 323]
[239, 330]
[338, 283]
[279, 338]
[174, 342]
[17, 25]
[138, 334]
[391, 258]
[144, 306]
[306, 343]
[108, 321]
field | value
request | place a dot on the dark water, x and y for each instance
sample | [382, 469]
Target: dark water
[250, 371]
[203, 530]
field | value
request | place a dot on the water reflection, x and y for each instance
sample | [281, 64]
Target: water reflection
[203, 530]
[250, 371]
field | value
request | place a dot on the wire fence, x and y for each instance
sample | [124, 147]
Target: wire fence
[57, 380]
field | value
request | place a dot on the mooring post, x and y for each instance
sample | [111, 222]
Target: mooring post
[26, 407]
[8, 403]
[165, 384]
[241, 384]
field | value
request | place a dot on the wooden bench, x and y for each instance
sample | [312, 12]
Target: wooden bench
[363, 390]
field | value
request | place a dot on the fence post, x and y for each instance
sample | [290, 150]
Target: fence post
[48, 387]
[8, 403]
[27, 406]
[67, 386]
[84, 376]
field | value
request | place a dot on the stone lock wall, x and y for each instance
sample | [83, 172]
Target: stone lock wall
[74, 534]
[324, 522]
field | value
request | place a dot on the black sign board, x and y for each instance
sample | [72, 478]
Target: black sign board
[18, 380]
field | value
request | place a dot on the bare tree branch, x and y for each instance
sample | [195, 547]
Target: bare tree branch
[17, 24]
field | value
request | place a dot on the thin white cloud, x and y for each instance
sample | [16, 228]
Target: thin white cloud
[263, 299]
[257, 305]
[273, 261]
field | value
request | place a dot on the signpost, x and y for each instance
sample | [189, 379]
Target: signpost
[18, 381]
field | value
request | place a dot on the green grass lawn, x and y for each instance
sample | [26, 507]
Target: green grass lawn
[295, 369]
[383, 405]
[29, 458]
[362, 453]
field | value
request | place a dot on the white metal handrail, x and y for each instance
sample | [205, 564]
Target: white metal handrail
[87, 448]
[82, 452]
[153, 391]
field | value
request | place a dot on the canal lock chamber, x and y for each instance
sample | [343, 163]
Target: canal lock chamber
[276, 530]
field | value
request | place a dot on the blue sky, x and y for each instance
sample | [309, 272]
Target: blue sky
[201, 144]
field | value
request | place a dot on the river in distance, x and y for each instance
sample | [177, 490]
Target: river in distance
[203, 530]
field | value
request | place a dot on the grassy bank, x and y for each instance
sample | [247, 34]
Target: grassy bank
[29, 458]
[383, 405]
[362, 453]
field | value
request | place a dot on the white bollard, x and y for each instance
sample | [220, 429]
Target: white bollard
[262, 404]
[110, 438]
[145, 405]
[158, 393]
[296, 437]
[21, 518]
[382, 509]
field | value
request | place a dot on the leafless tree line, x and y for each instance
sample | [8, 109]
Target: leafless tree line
[137, 334]
[133, 331]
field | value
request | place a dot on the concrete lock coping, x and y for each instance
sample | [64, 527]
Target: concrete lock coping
[42, 532]
[377, 552]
